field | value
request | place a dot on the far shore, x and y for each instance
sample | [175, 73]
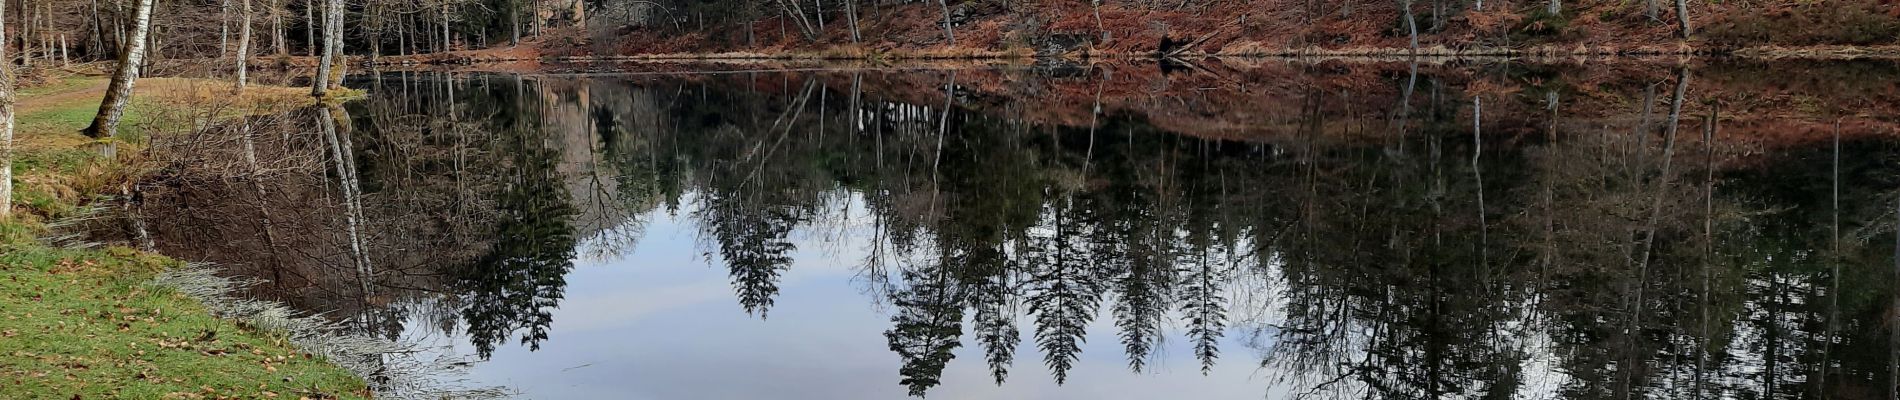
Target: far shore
[1368, 54]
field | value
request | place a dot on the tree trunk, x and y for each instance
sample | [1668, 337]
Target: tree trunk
[224, 27]
[851, 19]
[446, 45]
[6, 123]
[334, 35]
[514, 23]
[25, 30]
[277, 27]
[402, 35]
[244, 45]
[948, 35]
[346, 175]
[797, 14]
[332, 47]
[1682, 16]
[1411, 23]
[119, 92]
[1096, 7]
[1554, 7]
[310, 25]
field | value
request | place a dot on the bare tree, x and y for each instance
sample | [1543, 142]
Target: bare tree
[244, 46]
[119, 91]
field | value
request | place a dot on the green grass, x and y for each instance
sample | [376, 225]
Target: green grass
[62, 84]
[85, 323]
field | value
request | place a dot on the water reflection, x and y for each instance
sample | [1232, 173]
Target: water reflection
[1388, 231]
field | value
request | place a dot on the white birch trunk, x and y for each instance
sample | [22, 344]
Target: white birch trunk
[6, 123]
[244, 46]
[329, 62]
[119, 91]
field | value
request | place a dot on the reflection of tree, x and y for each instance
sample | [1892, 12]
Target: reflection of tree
[927, 325]
[1064, 290]
[1603, 260]
[754, 246]
[519, 282]
[1403, 275]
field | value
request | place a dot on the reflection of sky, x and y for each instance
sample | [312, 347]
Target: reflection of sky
[660, 322]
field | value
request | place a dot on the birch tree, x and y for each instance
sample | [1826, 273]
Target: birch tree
[244, 46]
[1682, 16]
[948, 35]
[119, 92]
[332, 47]
[6, 122]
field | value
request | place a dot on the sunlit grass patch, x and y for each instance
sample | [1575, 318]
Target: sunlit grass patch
[84, 323]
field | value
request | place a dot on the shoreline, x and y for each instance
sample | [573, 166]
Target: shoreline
[1539, 54]
[1371, 54]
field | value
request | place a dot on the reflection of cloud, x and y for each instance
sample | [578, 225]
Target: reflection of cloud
[621, 308]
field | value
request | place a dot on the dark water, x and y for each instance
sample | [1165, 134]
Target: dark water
[1235, 231]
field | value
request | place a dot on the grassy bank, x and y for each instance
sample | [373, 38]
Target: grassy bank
[87, 323]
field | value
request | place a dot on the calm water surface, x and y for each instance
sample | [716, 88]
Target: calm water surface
[1224, 232]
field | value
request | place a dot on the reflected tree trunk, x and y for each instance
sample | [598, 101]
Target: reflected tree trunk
[1708, 253]
[1834, 273]
[1477, 171]
[338, 139]
[943, 123]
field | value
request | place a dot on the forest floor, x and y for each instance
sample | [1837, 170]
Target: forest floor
[87, 323]
[1260, 28]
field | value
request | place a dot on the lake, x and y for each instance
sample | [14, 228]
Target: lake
[1224, 229]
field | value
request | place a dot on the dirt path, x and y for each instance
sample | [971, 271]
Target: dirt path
[64, 96]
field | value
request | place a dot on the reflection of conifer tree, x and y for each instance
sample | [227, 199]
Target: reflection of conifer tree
[927, 325]
[1063, 291]
[986, 269]
[520, 281]
[1141, 283]
[754, 245]
[1202, 306]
